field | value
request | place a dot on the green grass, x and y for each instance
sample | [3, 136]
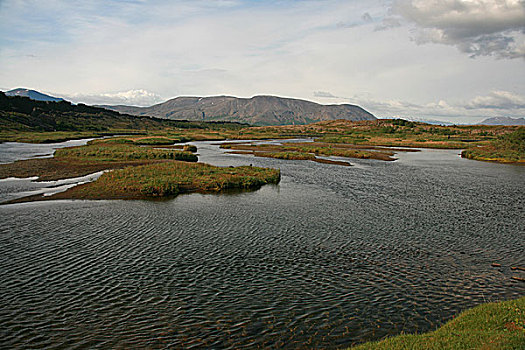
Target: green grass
[172, 178]
[507, 148]
[287, 155]
[108, 152]
[138, 171]
[488, 326]
[154, 141]
[308, 150]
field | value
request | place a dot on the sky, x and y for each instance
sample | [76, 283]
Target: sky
[459, 61]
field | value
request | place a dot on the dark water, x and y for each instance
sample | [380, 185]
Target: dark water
[330, 257]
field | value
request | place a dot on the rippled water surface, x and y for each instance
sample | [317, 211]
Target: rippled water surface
[330, 257]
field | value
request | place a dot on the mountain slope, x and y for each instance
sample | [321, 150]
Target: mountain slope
[503, 121]
[258, 110]
[32, 94]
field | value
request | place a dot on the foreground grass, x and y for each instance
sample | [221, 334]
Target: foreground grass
[509, 148]
[170, 179]
[488, 326]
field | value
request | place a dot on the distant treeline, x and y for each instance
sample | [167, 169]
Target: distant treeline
[19, 113]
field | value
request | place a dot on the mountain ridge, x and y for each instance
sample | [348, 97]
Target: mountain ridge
[33, 95]
[502, 121]
[258, 110]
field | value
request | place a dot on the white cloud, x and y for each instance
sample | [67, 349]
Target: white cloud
[130, 98]
[495, 104]
[498, 100]
[388, 23]
[324, 94]
[476, 27]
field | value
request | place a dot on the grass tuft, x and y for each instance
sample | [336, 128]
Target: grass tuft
[488, 326]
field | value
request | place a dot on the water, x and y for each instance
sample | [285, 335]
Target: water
[330, 257]
[11, 151]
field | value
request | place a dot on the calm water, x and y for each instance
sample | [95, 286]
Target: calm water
[11, 151]
[330, 257]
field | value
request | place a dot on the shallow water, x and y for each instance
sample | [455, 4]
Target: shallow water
[11, 151]
[330, 257]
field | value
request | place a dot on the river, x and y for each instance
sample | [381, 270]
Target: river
[330, 257]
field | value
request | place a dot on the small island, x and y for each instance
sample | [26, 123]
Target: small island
[134, 171]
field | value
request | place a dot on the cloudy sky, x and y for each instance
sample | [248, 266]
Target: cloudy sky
[450, 60]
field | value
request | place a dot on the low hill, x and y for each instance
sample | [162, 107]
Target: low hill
[18, 114]
[258, 110]
[32, 94]
[503, 121]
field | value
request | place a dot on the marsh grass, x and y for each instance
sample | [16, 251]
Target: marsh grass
[507, 148]
[286, 155]
[108, 152]
[170, 179]
[488, 326]
[308, 150]
[154, 141]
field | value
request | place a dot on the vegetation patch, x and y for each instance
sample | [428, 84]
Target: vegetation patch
[287, 155]
[170, 179]
[189, 148]
[50, 169]
[108, 152]
[309, 150]
[154, 141]
[508, 148]
[488, 326]
[138, 171]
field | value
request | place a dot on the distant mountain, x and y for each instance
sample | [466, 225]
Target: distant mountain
[32, 94]
[258, 110]
[503, 121]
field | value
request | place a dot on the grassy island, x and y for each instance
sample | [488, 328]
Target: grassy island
[488, 326]
[137, 171]
[171, 179]
[97, 155]
[310, 151]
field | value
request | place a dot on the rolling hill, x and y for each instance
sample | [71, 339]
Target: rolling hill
[258, 110]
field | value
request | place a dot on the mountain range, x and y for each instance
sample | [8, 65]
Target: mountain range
[32, 94]
[258, 110]
[503, 121]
